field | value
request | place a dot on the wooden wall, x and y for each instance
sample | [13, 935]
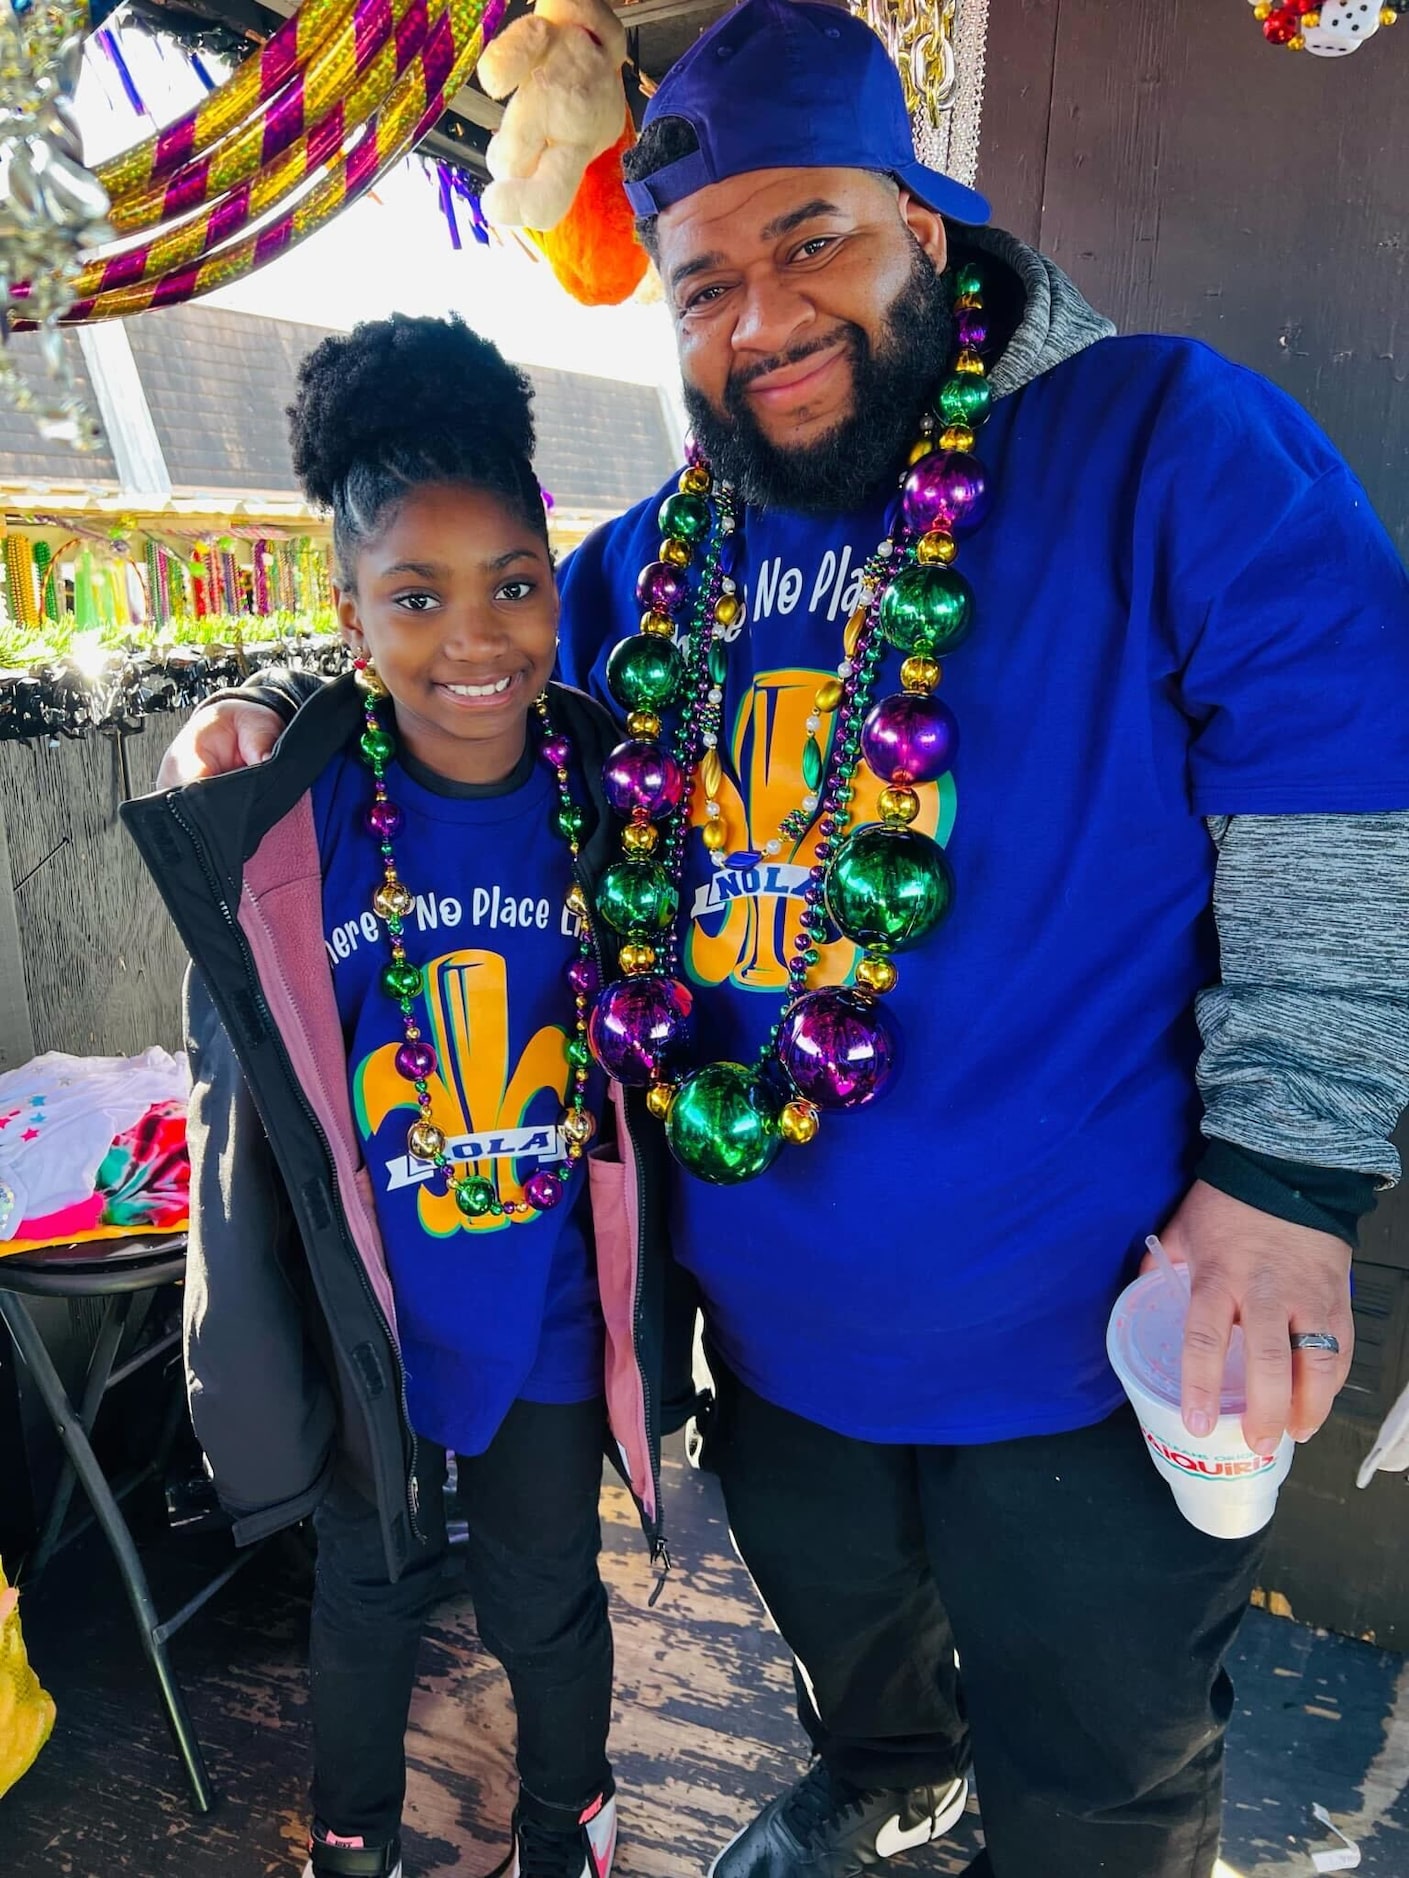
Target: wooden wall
[89, 961]
[1193, 179]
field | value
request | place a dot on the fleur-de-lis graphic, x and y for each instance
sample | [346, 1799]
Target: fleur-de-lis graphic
[475, 1091]
[747, 937]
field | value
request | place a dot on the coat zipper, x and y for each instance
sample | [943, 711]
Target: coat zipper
[412, 1494]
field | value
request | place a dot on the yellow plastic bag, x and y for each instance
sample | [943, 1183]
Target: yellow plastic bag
[26, 1710]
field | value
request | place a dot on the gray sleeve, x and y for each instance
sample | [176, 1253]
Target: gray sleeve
[1306, 1036]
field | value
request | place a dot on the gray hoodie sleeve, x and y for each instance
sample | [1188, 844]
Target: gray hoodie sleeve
[1306, 1036]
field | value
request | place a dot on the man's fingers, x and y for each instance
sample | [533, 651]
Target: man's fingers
[1268, 1354]
[1319, 1375]
[1206, 1332]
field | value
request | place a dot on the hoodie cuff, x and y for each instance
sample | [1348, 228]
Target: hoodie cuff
[1328, 1199]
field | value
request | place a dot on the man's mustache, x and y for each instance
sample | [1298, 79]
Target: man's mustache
[743, 376]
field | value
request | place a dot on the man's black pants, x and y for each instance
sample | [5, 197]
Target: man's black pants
[1090, 1620]
[540, 1608]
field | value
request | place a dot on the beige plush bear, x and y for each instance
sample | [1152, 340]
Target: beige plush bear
[563, 64]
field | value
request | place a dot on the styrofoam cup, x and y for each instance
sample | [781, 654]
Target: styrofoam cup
[1219, 1484]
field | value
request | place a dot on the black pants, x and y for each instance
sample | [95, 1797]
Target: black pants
[540, 1607]
[1090, 1621]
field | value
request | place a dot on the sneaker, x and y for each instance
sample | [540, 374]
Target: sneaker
[332, 1857]
[825, 1828]
[584, 1852]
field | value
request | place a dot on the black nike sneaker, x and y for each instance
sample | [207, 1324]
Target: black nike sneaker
[825, 1828]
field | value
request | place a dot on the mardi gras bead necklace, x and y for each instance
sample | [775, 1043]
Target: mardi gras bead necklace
[416, 1060]
[884, 885]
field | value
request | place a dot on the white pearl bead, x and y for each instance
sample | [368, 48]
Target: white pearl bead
[716, 696]
[809, 803]
[812, 725]
[713, 810]
[885, 549]
[845, 669]
[773, 847]
[710, 740]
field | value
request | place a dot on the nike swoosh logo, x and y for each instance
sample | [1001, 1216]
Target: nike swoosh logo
[893, 1838]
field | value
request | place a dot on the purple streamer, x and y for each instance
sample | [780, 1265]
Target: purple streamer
[447, 205]
[198, 67]
[493, 18]
[108, 41]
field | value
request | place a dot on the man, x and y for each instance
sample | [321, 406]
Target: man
[1182, 697]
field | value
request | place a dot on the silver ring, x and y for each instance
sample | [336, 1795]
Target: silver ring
[1316, 1340]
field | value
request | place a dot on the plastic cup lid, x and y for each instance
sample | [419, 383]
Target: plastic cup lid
[1149, 1331]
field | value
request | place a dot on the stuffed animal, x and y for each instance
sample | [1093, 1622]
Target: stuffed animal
[593, 250]
[563, 65]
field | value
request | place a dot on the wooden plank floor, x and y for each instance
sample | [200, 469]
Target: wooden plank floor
[703, 1735]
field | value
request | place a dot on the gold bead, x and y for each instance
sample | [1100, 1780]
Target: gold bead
[829, 694]
[970, 362]
[1263, 10]
[659, 1097]
[370, 680]
[957, 437]
[716, 836]
[799, 1123]
[696, 481]
[392, 900]
[425, 1141]
[920, 450]
[899, 805]
[644, 724]
[576, 901]
[578, 1125]
[1296, 43]
[711, 772]
[1311, 20]
[877, 973]
[936, 549]
[640, 837]
[637, 958]
[1388, 17]
[920, 675]
[966, 303]
[855, 626]
[660, 624]
[728, 609]
[675, 552]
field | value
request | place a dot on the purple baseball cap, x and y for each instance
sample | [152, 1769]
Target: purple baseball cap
[781, 85]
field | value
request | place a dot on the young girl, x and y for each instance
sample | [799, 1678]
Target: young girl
[417, 1242]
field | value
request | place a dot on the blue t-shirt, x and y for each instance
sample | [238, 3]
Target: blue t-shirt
[492, 1309]
[1184, 607]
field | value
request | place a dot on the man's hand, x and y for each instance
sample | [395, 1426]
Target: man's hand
[230, 734]
[1273, 1278]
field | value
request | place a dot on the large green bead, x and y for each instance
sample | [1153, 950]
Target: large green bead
[926, 610]
[686, 517]
[965, 399]
[637, 896]
[474, 1197]
[968, 279]
[645, 672]
[723, 1125]
[402, 980]
[376, 745]
[888, 887]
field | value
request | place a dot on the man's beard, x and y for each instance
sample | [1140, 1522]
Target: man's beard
[890, 386]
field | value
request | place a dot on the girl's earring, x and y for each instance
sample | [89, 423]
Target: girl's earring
[368, 677]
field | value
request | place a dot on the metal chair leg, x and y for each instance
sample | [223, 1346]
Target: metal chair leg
[100, 1366]
[40, 1364]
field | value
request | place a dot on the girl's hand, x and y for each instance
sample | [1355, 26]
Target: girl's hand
[229, 734]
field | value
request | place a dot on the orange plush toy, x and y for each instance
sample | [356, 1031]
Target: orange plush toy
[594, 251]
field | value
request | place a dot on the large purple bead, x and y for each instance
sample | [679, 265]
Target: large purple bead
[639, 1029]
[945, 491]
[661, 587]
[908, 739]
[642, 776]
[415, 1061]
[557, 752]
[839, 1048]
[543, 1189]
[384, 820]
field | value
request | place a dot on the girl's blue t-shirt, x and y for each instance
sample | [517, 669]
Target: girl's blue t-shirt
[1184, 608]
[489, 1310]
